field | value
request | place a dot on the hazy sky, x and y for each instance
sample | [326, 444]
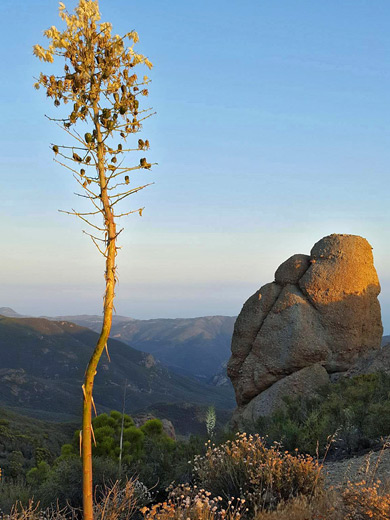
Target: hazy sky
[272, 130]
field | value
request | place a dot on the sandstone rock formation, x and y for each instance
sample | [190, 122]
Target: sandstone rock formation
[321, 311]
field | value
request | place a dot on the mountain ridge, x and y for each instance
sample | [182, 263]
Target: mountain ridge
[196, 347]
[43, 364]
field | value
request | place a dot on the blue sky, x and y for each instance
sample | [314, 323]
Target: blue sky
[272, 131]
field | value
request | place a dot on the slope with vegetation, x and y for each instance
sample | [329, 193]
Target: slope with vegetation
[43, 364]
[190, 346]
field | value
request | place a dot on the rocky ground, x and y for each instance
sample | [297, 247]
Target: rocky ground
[370, 467]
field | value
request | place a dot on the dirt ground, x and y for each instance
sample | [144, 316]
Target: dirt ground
[370, 467]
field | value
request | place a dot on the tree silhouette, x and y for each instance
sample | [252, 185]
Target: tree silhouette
[102, 92]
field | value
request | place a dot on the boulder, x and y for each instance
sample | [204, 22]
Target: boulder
[321, 310]
[292, 270]
[373, 362]
[168, 428]
[304, 382]
[342, 284]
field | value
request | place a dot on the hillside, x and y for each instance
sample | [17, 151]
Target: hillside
[43, 365]
[197, 347]
[189, 346]
[35, 440]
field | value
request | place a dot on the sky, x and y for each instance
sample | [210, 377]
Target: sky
[271, 131]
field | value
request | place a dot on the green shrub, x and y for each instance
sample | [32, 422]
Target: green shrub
[63, 483]
[37, 476]
[12, 491]
[353, 411]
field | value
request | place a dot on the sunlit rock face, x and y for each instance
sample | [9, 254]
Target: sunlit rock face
[322, 310]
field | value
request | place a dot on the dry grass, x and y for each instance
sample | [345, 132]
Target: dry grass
[33, 512]
[117, 502]
[268, 484]
[191, 503]
[357, 501]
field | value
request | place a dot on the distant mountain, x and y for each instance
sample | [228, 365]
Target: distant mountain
[43, 364]
[10, 313]
[196, 347]
[190, 346]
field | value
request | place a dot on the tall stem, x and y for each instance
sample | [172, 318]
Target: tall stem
[110, 227]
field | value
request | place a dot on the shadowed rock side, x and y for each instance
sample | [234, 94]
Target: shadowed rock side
[321, 311]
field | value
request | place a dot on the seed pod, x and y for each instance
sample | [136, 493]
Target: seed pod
[127, 180]
[123, 88]
[76, 157]
[123, 134]
[113, 160]
[147, 144]
[119, 146]
[56, 103]
[116, 97]
[122, 110]
[143, 162]
[106, 113]
[141, 144]
[55, 149]
[89, 181]
[88, 138]
[82, 172]
[88, 159]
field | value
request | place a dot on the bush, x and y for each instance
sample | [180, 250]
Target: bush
[63, 483]
[12, 491]
[245, 468]
[364, 501]
[191, 503]
[357, 410]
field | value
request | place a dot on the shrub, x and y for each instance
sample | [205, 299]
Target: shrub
[32, 511]
[63, 483]
[364, 501]
[12, 491]
[116, 502]
[358, 409]
[323, 507]
[245, 468]
[191, 503]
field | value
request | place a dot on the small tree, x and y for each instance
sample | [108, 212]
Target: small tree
[103, 93]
